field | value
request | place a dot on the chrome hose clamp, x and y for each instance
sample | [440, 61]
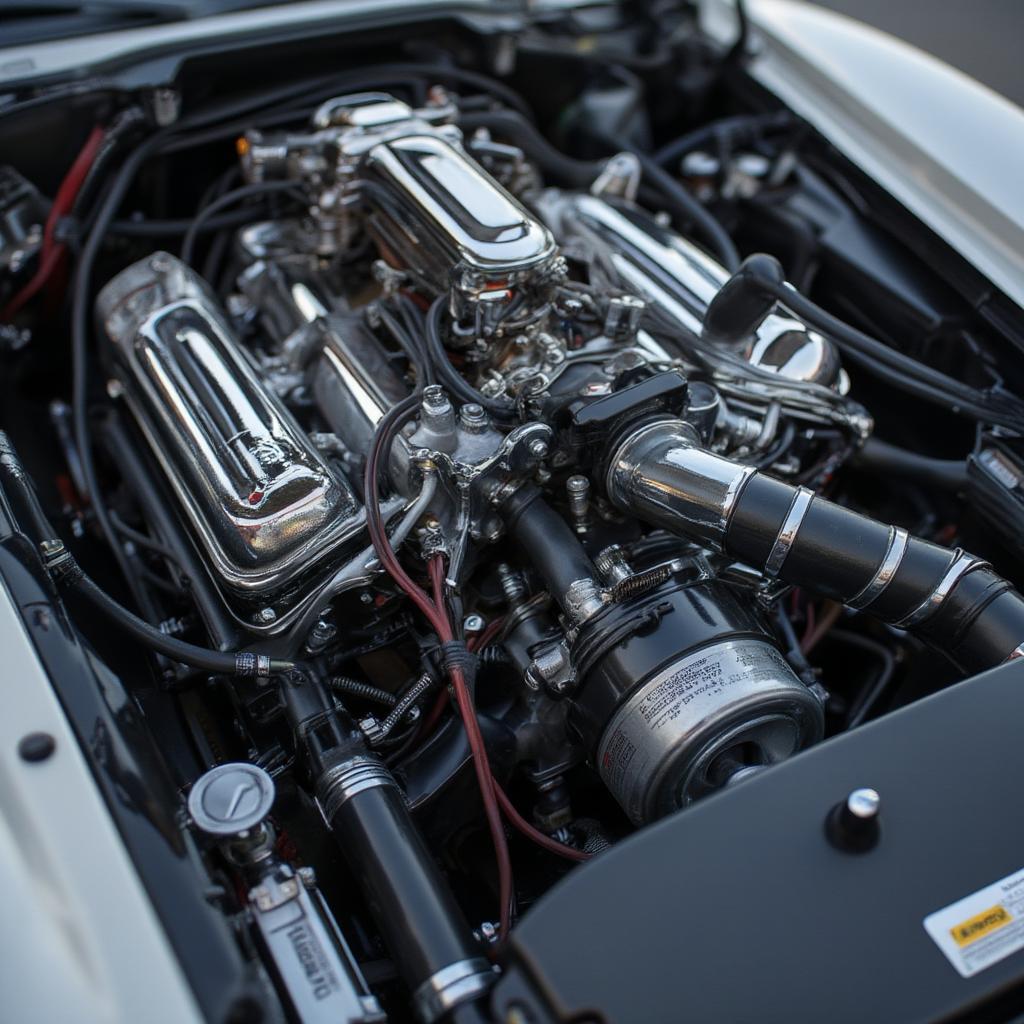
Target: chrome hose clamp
[790, 528]
[961, 565]
[898, 540]
[450, 986]
[343, 781]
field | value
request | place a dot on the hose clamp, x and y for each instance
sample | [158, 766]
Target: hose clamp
[339, 783]
[248, 665]
[450, 986]
[961, 565]
[790, 528]
[898, 540]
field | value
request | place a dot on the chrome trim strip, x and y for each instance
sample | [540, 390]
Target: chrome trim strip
[898, 540]
[790, 528]
[961, 565]
[450, 986]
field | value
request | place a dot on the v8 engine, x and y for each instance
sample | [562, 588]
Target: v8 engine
[457, 480]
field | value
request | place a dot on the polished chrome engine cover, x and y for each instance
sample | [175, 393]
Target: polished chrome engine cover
[263, 503]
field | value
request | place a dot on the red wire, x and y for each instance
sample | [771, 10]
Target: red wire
[52, 250]
[437, 615]
[479, 643]
[476, 643]
[522, 825]
[476, 744]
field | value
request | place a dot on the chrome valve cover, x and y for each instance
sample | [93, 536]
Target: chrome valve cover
[264, 504]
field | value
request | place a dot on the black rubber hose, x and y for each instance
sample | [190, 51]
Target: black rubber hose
[978, 621]
[178, 650]
[740, 128]
[870, 695]
[21, 483]
[68, 574]
[411, 902]
[548, 541]
[887, 459]
[500, 409]
[254, 190]
[950, 599]
[552, 161]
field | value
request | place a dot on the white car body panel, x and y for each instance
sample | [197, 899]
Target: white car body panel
[948, 148]
[81, 941]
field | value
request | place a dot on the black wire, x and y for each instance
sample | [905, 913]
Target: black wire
[520, 131]
[903, 371]
[678, 200]
[738, 50]
[779, 447]
[176, 228]
[407, 342]
[860, 709]
[142, 540]
[80, 295]
[237, 195]
[221, 662]
[730, 129]
[501, 410]
[367, 691]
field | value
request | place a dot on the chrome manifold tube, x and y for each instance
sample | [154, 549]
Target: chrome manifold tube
[949, 598]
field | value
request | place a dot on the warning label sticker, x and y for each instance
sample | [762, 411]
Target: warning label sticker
[983, 928]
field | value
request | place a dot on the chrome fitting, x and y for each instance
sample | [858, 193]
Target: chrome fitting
[343, 781]
[961, 565]
[451, 986]
[662, 475]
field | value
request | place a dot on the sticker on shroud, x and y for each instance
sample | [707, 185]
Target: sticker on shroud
[983, 928]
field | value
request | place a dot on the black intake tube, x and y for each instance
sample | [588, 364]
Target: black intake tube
[412, 905]
[548, 541]
[951, 599]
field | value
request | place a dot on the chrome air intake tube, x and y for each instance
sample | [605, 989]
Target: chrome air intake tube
[949, 598]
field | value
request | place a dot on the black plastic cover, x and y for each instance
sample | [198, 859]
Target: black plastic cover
[741, 910]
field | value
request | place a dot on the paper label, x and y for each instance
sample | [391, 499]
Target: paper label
[983, 928]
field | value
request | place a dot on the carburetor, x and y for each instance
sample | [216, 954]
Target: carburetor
[372, 162]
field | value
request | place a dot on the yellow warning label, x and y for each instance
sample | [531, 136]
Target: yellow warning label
[980, 925]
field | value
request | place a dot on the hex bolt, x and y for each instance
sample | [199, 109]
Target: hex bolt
[266, 616]
[538, 448]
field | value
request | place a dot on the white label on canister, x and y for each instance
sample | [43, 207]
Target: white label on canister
[983, 928]
[675, 704]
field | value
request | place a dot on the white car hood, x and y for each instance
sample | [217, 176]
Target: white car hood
[948, 148]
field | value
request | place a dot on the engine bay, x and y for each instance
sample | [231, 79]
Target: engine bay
[464, 460]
